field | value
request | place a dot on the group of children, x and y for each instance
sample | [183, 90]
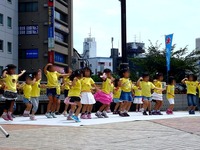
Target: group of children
[81, 93]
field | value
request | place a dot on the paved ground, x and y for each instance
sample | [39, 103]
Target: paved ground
[168, 134]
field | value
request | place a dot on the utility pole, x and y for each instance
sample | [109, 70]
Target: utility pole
[123, 35]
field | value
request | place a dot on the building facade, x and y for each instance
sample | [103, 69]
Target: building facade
[45, 33]
[8, 33]
[89, 48]
[98, 64]
[198, 43]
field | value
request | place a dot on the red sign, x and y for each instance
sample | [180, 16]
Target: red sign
[50, 3]
[51, 57]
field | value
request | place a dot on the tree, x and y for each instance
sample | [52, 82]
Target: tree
[182, 62]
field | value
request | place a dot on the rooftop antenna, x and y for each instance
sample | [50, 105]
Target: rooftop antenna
[90, 34]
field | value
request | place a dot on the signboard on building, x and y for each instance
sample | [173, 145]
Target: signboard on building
[32, 53]
[51, 57]
[60, 58]
[51, 28]
[28, 30]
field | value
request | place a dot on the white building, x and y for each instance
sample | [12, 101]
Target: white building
[89, 47]
[8, 33]
[98, 64]
[198, 43]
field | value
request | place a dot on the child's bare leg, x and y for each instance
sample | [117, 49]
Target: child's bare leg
[79, 106]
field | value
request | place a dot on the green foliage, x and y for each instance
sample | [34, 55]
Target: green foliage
[182, 62]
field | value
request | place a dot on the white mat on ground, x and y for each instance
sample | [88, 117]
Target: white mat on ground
[61, 120]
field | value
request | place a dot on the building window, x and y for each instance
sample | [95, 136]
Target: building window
[1, 45]
[28, 30]
[9, 1]
[9, 47]
[1, 19]
[60, 37]
[28, 7]
[9, 22]
[60, 16]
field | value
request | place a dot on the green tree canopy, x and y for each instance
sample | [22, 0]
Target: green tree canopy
[182, 62]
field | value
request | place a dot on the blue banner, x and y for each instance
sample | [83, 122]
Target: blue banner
[168, 44]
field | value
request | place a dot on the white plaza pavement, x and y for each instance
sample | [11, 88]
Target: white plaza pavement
[61, 120]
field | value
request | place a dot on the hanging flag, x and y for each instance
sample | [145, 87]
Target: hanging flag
[168, 44]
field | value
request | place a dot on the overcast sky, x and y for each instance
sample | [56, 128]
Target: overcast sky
[146, 19]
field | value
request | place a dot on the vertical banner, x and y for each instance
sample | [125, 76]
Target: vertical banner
[168, 44]
[51, 57]
[51, 25]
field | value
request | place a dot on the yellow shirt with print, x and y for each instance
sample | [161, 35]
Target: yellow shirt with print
[76, 89]
[67, 82]
[191, 87]
[117, 92]
[199, 89]
[106, 86]
[170, 91]
[27, 90]
[11, 82]
[137, 91]
[86, 84]
[146, 88]
[58, 89]
[126, 84]
[36, 89]
[158, 84]
[52, 79]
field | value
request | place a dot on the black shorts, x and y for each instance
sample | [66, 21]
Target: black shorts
[75, 99]
[10, 95]
[66, 93]
[51, 92]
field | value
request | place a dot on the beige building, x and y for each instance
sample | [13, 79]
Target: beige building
[45, 33]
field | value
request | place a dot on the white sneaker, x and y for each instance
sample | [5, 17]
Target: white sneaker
[53, 115]
[65, 114]
[48, 115]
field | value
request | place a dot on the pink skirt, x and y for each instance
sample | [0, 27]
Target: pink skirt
[67, 101]
[103, 97]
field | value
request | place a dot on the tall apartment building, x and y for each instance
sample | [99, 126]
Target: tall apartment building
[45, 33]
[8, 33]
[198, 44]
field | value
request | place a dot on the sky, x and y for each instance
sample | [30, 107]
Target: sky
[146, 20]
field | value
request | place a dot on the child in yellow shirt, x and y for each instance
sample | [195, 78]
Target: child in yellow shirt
[74, 96]
[171, 95]
[191, 85]
[116, 96]
[87, 98]
[27, 88]
[137, 97]
[10, 90]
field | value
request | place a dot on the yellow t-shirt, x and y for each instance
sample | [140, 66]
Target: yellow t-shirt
[199, 89]
[170, 91]
[58, 89]
[137, 91]
[27, 90]
[11, 82]
[67, 82]
[117, 92]
[52, 79]
[75, 90]
[191, 87]
[146, 88]
[158, 84]
[126, 84]
[86, 84]
[106, 86]
[36, 89]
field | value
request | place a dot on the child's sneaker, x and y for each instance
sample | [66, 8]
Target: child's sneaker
[32, 117]
[115, 112]
[108, 111]
[25, 115]
[84, 116]
[121, 114]
[5, 116]
[48, 115]
[89, 116]
[104, 114]
[53, 115]
[69, 118]
[65, 114]
[150, 113]
[192, 112]
[168, 112]
[57, 113]
[159, 113]
[99, 114]
[75, 118]
[126, 114]
[10, 117]
[145, 113]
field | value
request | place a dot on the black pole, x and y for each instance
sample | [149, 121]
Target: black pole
[123, 31]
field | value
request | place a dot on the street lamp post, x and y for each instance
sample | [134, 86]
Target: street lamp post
[123, 30]
[123, 35]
